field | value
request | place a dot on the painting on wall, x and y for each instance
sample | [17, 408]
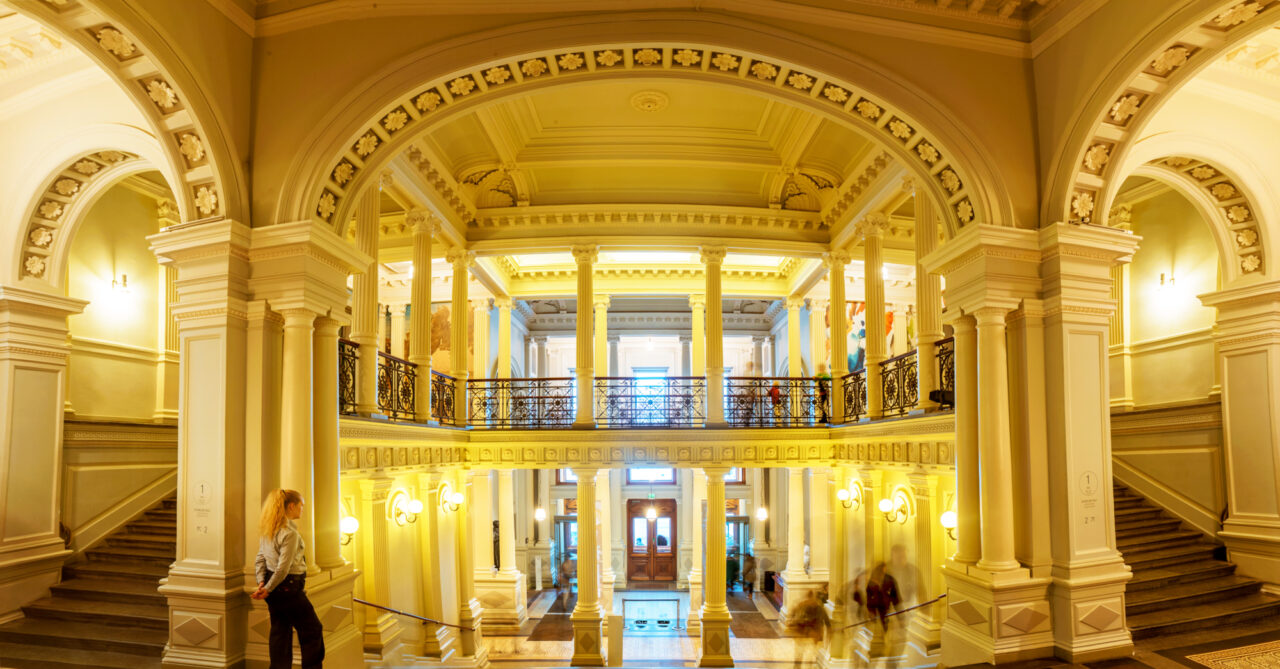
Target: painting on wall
[857, 345]
[441, 324]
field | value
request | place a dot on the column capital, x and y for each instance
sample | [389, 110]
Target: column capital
[991, 315]
[908, 184]
[481, 304]
[835, 257]
[503, 303]
[460, 257]
[585, 253]
[385, 180]
[715, 474]
[613, 338]
[872, 225]
[586, 474]
[795, 303]
[684, 338]
[540, 340]
[600, 301]
[759, 339]
[697, 301]
[712, 254]
[422, 222]
[816, 304]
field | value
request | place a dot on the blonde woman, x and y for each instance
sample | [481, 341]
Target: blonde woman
[281, 568]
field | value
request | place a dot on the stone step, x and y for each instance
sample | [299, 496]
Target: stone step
[1138, 560]
[129, 570]
[1137, 513]
[1154, 540]
[1175, 574]
[1189, 594]
[1146, 526]
[110, 590]
[1129, 502]
[133, 554]
[164, 516]
[85, 636]
[1186, 618]
[153, 527]
[143, 540]
[153, 616]
[23, 656]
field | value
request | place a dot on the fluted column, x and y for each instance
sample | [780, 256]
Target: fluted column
[818, 336]
[480, 325]
[506, 524]
[470, 612]
[872, 230]
[757, 355]
[697, 532]
[420, 311]
[686, 355]
[461, 261]
[713, 258]
[364, 304]
[326, 504]
[540, 355]
[585, 256]
[397, 330]
[795, 363]
[968, 482]
[504, 336]
[838, 315]
[795, 523]
[614, 365]
[928, 303]
[436, 638]
[296, 471]
[482, 524]
[600, 308]
[381, 631]
[588, 638]
[605, 522]
[715, 612]
[994, 443]
[698, 355]
[819, 523]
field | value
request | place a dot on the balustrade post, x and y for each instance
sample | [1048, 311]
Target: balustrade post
[424, 227]
[585, 256]
[871, 229]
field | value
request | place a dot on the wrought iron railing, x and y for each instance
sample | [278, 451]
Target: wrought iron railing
[898, 383]
[855, 395]
[946, 356]
[778, 401]
[665, 401]
[396, 386]
[348, 354]
[442, 389]
[521, 403]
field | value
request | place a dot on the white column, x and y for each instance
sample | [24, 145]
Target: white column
[604, 522]
[482, 524]
[398, 331]
[698, 357]
[365, 312]
[819, 358]
[838, 316]
[968, 486]
[795, 363]
[507, 588]
[614, 368]
[697, 529]
[715, 612]
[928, 303]
[686, 355]
[712, 259]
[504, 336]
[994, 443]
[757, 355]
[872, 230]
[585, 256]
[470, 612]
[588, 637]
[480, 324]
[795, 576]
[461, 261]
[326, 503]
[437, 639]
[819, 523]
[836, 649]
[600, 308]
[420, 311]
[296, 472]
[540, 353]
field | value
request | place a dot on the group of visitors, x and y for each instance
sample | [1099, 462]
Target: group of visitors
[764, 402]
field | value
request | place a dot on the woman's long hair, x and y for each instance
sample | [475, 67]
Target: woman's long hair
[273, 517]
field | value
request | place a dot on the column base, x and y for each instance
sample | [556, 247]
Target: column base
[694, 625]
[714, 646]
[796, 587]
[995, 617]
[588, 640]
[438, 642]
[1088, 612]
[381, 635]
[1255, 549]
[504, 597]
[470, 639]
[208, 618]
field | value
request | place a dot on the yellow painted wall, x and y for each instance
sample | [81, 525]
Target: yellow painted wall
[1171, 344]
[112, 372]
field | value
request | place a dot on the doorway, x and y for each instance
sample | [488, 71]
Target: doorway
[651, 540]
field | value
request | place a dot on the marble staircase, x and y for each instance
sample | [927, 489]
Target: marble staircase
[106, 612]
[1180, 583]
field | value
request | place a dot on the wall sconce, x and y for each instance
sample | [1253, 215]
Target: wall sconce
[121, 286]
[404, 509]
[895, 509]
[948, 520]
[449, 500]
[850, 498]
[348, 526]
[539, 514]
[762, 514]
[1166, 284]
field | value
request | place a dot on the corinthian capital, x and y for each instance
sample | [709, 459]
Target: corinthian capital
[585, 253]
[872, 225]
[795, 302]
[697, 301]
[835, 257]
[712, 254]
[458, 255]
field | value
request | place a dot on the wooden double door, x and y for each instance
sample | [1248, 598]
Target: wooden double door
[651, 542]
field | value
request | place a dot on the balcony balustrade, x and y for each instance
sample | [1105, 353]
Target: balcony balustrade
[667, 401]
[775, 401]
[855, 395]
[521, 403]
[442, 388]
[946, 355]
[396, 386]
[348, 354]
[898, 383]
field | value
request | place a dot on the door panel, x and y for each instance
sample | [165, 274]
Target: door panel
[651, 543]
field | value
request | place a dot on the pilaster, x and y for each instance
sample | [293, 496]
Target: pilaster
[381, 631]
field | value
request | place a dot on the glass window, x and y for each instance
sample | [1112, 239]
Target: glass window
[573, 535]
[662, 534]
[651, 475]
[640, 535]
[566, 475]
[735, 475]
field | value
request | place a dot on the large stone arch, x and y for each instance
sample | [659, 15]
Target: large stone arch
[1087, 173]
[375, 122]
[210, 183]
[66, 182]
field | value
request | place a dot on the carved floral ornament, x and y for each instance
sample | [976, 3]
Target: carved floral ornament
[712, 62]
[1234, 204]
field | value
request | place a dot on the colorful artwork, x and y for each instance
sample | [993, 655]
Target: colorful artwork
[441, 335]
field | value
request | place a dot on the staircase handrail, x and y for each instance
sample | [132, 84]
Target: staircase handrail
[913, 608]
[410, 615]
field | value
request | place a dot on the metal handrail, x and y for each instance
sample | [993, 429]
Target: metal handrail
[411, 615]
[913, 608]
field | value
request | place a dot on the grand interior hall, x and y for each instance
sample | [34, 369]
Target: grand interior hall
[648, 333]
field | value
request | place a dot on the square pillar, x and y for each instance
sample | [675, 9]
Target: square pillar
[381, 631]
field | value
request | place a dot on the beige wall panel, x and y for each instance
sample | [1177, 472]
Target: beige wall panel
[1253, 446]
[1174, 374]
[32, 456]
[113, 473]
[108, 387]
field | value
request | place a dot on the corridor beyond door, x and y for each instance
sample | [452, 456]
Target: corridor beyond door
[651, 540]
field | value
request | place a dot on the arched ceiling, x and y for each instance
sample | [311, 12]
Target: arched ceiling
[646, 142]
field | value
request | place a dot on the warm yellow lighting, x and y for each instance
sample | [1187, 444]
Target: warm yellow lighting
[896, 509]
[449, 500]
[121, 285]
[404, 509]
[539, 514]
[762, 514]
[948, 520]
[886, 505]
[843, 495]
[651, 513]
[348, 526]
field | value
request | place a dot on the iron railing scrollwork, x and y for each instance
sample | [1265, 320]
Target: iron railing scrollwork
[396, 386]
[521, 403]
[442, 389]
[779, 401]
[348, 354]
[855, 395]
[665, 401]
[946, 356]
[899, 383]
